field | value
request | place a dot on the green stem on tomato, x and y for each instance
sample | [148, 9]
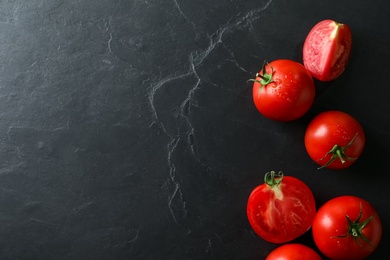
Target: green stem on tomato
[265, 78]
[338, 152]
[355, 228]
[273, 179]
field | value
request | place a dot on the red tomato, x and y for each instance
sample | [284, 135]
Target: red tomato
[281, 209]
[283, 90]
[334, 139]
[327, 49]
[293, 252]
[347, 227]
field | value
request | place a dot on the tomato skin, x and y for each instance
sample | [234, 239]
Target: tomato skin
[293, 252]
[330, 222]
[283, 212]
[289, 96]
[332, 128]
[326, 49]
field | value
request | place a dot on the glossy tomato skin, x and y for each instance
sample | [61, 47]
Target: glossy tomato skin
[290, 94]
[293, 252]
[327, 49]
[281, 213]
[330, 227]
[332, 128]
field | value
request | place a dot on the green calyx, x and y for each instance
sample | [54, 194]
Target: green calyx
[273, 179]
[265, 78]
[338, 152]
[355, 228]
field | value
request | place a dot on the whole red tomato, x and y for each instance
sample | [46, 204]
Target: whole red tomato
[347, 227]
[327, 49]
[283, 90]
[334, 139]
[281, 209]
[293, 252]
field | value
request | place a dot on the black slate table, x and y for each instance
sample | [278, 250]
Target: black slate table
[128, 131]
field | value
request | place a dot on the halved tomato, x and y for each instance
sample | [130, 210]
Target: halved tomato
[327, 49]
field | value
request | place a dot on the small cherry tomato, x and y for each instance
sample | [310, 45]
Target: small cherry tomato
[281, 209]
[327, 49]
[347, 227]
[334, 139]
[293, 252]
[283, 90]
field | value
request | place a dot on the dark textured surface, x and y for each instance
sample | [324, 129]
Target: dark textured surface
[127, 129]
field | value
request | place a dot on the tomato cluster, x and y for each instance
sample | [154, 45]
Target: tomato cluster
[283, 207]
[284, 90]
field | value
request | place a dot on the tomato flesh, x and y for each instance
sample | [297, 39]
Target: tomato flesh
[330, 228]
[281, 213]
[327, 49]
